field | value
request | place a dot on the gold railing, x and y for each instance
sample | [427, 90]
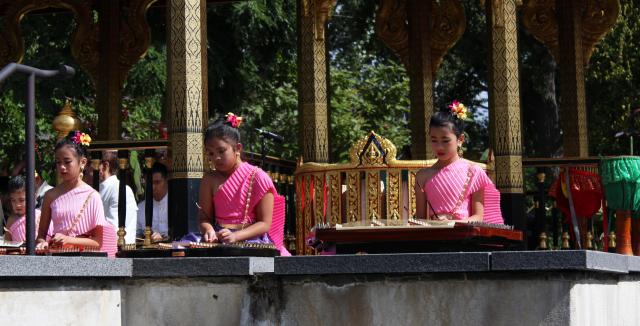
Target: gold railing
[372, 185]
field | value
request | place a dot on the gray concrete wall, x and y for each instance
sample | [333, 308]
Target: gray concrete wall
[564, 288]
[63, 302]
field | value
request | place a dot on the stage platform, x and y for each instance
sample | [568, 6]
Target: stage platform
[486, 288]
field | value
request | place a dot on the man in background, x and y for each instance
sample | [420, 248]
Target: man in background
[109, 185]
[160, 222]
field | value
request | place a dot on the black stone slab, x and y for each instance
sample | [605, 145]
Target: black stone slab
[54, 266]
[581, 260]
[190, 267]
[383, 263]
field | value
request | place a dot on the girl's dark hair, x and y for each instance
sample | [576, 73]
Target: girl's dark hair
[221, 128]
[17, 183]
[81, 151]
[449, 120]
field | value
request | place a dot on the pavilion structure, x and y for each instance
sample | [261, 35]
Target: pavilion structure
[420, 32]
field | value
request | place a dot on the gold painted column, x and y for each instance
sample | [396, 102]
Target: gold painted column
[573, 109]
[187, 99]
[312, 79]
[504, 108]
[420, 76]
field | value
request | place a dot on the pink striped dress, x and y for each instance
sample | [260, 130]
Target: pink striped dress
[66, 220]
[18, 228]
[230, 200]
[450, 191]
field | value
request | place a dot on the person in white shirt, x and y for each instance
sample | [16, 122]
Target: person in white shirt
[42, 187]
[109, 185]
[160, 220]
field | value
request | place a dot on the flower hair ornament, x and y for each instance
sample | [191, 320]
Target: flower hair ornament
[234, 120]
[81, 138]
[458, 110]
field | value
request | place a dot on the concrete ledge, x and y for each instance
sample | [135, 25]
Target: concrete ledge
[187, 267]
[52, 266]
[385, 263]
[634, 264]
[582, 260]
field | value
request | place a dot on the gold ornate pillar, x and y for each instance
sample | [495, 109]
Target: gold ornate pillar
[420, 77]
[187, 98]
[504, 108]
[312, 79]
[570, 29]
[420, 32]
[573, 110]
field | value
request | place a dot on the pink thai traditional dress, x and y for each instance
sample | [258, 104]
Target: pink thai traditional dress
[450, 190]
[66, 217]
[230, 201]
[18, 228]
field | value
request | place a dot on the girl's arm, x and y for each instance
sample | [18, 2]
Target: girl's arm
[205, 212]
[264, 214]
[61, 239]
[477, 207]
[45, 219]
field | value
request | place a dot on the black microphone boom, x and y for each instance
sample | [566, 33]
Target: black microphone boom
[268, 134]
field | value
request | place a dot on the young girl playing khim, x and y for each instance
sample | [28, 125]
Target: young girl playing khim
[454, 188]
[16, 225]
[73, 207]
[236, 198]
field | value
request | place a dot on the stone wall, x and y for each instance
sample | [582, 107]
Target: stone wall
[523, 288]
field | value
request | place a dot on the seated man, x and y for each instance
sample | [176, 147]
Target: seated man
[109, 185]
[160, 223]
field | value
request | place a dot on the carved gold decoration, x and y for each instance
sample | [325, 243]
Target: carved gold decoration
[446, 26]
[121, 233]
[504, 96]
[84, 47]
[393, 194]
[147, 237]
[122, 163]
[318, 200]
[539, 17]
[135, 35]
[65, 121]
[353, 196]
[597, 19]
[335, 194]
[185, 85]
[412, 193]
[392, 29]
[542, 245]
[565, 241]
[373, 194]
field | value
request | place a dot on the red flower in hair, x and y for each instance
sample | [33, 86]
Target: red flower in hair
[234, 120]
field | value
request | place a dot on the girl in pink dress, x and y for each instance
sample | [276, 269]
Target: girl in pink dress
[454, 188]
[73, 208]
[16, 224]
[237, 199]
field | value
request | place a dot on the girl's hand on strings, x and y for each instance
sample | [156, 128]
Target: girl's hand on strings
[210, 235]
[227, 236]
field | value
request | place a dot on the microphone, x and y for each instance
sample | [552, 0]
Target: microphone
[273, 136]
